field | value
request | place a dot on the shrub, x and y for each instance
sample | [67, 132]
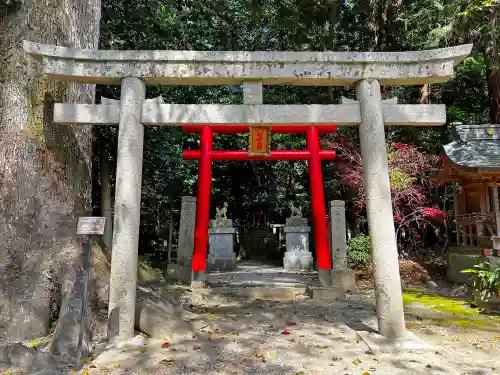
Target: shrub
[486, 280]
[359, 250]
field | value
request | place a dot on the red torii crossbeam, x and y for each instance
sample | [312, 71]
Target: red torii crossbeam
[313, 155]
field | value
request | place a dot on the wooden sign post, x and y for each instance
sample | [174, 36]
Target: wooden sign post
[87, 226]
[260, 141]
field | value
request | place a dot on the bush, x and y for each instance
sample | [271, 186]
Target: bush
[359, 250]
[486, 280]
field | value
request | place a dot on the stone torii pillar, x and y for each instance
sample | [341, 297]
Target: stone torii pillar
[365, 70]
[379, 210]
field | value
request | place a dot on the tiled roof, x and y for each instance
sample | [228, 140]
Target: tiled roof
[475, 146]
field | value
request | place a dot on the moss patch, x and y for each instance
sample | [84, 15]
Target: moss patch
[440, 303]
[453, 311]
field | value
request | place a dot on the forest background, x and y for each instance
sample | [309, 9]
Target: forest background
[423, 208]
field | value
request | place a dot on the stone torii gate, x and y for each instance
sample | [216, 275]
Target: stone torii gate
[135, 69]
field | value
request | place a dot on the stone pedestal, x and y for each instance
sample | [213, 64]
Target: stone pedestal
[297, 255]
[342, 276]
[221, 256]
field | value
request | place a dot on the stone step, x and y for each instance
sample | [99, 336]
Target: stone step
[326, 293]
[264, 291]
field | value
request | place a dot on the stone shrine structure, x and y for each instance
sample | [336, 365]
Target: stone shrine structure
[221, 256]
[297, 255]
[473, 164]
[133, 70]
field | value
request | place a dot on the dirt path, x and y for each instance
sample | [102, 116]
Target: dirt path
[236, 335]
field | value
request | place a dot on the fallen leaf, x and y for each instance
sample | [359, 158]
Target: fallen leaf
[166, 361]
[142, 350]
[210, 317]
[73, 369]
[290, 323]
[85, 373]
[285, 332]
[356, 362]
[165, 346]
[301, 373]
[116, 365]
[273, 355]
[365, 373]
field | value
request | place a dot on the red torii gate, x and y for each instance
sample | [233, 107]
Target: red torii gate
[314, 156]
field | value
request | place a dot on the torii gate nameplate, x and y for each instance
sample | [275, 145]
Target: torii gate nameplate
[259, 141]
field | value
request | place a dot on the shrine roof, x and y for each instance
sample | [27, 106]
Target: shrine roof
[475, 146]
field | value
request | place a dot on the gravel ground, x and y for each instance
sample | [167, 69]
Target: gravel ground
[236, 335]
[241, 335]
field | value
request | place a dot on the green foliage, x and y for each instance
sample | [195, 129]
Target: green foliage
[285, 25]
[486, 280]
[399, 179]
[359, 250]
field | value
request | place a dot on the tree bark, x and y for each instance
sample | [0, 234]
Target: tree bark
[106, 198]
[170, 230]
[493, 66]
[45, 175]
[425, 94]
[331, 39]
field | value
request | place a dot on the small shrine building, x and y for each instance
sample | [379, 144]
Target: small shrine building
[473, 163]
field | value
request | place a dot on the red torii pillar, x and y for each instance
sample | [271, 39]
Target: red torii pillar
[314, 156]
[320, 229]
[199, 262]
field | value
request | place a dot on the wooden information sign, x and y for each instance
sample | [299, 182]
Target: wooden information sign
[260, 141]
[87, 225]
[91, 225]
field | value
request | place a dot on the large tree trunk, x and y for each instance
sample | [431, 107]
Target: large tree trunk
[106, 197]
[45, 175]
[493, 65]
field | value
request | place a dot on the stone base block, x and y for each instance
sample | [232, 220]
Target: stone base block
[180, 272]
[298, 261]
[260, 291]
[296, 222]
[221, 264]
[380, 344]
[345, 279]
[458, 262]
[221, 223]
[325, 293]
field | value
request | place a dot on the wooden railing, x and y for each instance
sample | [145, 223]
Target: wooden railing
[475, 229]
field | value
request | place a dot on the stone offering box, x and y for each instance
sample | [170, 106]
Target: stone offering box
[297, 255]
[221, 256]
